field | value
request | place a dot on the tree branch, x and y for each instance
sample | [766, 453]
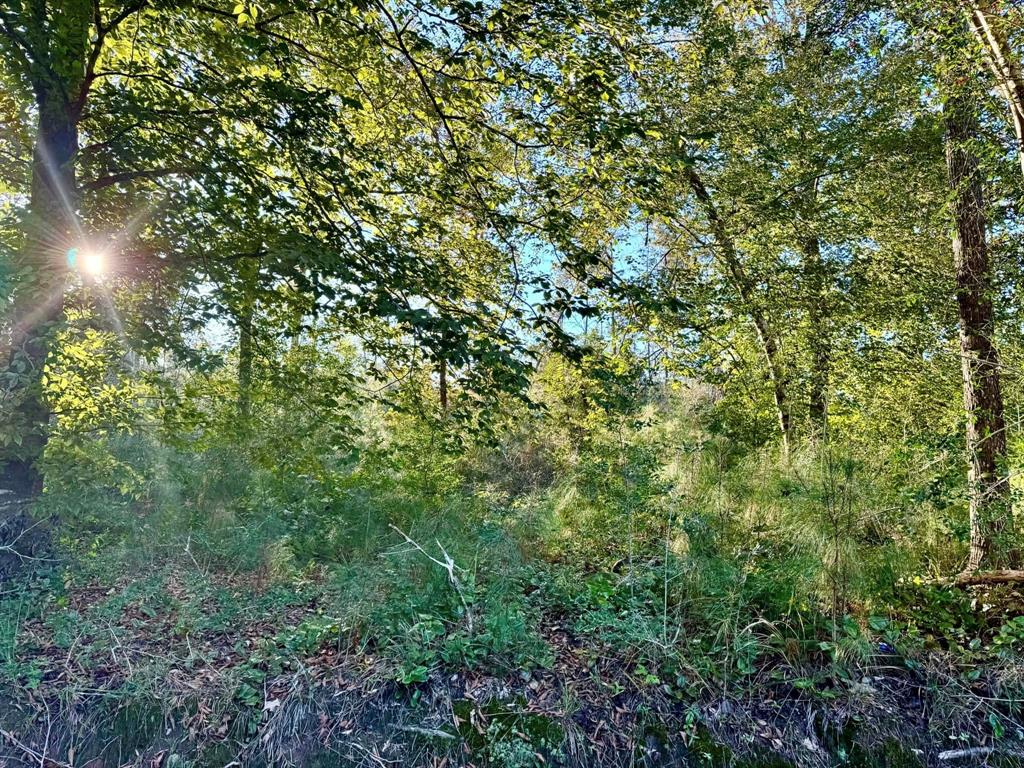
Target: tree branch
[121, 178]
[97, 47]
[20, 48]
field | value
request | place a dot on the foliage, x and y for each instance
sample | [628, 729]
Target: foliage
[478, 380]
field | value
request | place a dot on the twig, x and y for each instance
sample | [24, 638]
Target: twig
[433, 732]
[9, 547]
[960, 754]
[977, 578]
[448, 565]
[46, 741]
[31, 752]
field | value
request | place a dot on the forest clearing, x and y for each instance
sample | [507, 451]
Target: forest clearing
[511, 383]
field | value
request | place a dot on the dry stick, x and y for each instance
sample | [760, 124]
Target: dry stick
[978, 578]
[960, 754]
[432, 732]
[10, 546]
[46, 741]
[448, 565]
[27, 750]
[988, 577]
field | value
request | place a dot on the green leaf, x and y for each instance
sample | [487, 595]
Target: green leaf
[878, 623]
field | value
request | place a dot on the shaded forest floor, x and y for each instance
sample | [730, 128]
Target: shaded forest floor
[499, 608]
[182, 667]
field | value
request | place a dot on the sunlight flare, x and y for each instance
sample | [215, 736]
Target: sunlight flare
[87, 261]
[92, 263]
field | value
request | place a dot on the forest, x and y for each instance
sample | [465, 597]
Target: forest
[511, 383]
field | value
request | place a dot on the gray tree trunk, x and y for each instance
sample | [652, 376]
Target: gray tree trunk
[818, 317]
[989, 488]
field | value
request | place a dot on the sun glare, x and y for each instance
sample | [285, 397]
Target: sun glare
[92, 262]
[87, 261]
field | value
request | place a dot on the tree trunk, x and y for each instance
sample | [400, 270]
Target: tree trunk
[51, 229]
[989, 488]
[245, 315]
[987, 25]
[777, 377]
[54, 54]
[766, 337]
[245, 353]
[442, 385]
[818, 317]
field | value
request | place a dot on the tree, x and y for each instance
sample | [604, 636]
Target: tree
[356, 139]
[753, 306]
[988, 20]
[989, 487]
[783, 116]
[206, 114]
[53, 57]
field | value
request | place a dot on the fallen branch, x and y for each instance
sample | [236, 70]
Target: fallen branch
[973, 578]
[448, 565]
[432, 732]
[961, 754]
[988, 577]
[41, 757]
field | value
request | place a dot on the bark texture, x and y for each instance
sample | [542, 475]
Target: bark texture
[989, 487]
[38, 304]
[53, 56]
[819, 320]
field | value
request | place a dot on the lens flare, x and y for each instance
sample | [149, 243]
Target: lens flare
[92, 262]
[87, 261]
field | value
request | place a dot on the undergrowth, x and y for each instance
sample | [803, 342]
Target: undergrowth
[210, 607]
